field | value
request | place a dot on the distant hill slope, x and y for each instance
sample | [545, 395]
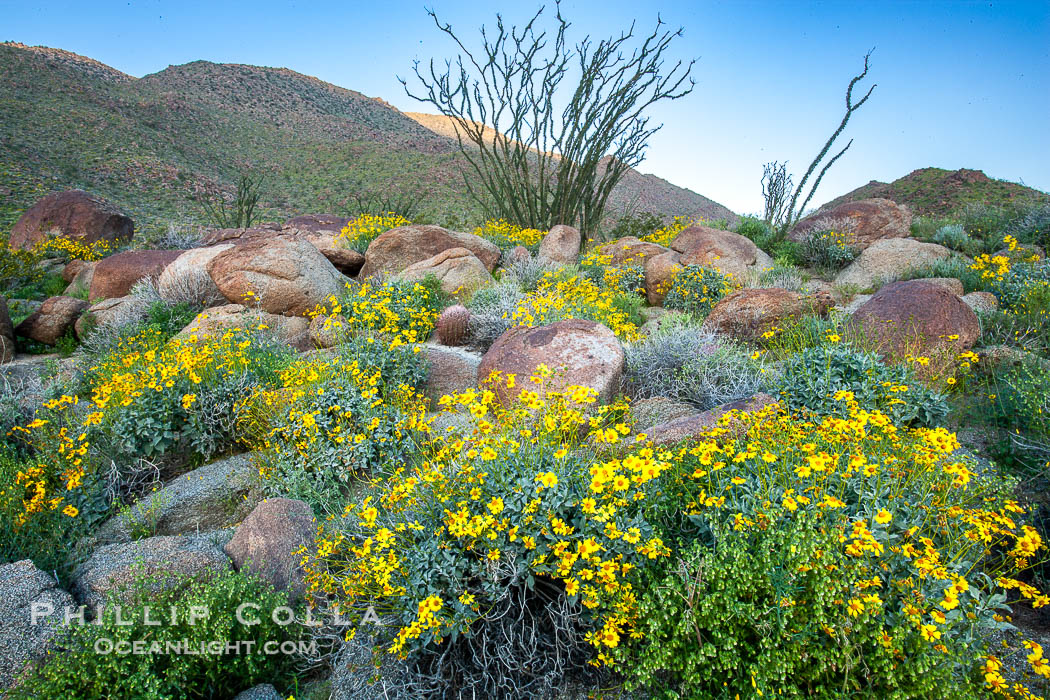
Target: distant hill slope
[637, 192]
[937, 192]
[152, 144]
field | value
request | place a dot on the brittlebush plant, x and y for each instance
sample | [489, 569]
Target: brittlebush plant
[360, 231]
[696, 289]
[559, 296]
[507, 235]
[845, 557]
[402, 312]
[517, 500]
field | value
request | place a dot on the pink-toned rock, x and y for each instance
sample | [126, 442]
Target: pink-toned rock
[189, 272]
[579, 352]
[631, 250]
[727, 252]
[75, 215]
[267, 541]
[116, 275]
[293, 330]
[72, 268]
[396, 249]
[238, 236]
[52, 320]
[659, 274]
[561, 245]
[693, 426]
[981, 302]
[459, 271]
[870, 219]
[919, 319]
[748, 313]
[81, 281]
[279, 275]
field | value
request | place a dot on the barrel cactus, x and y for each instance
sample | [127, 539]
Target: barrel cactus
[452, 325]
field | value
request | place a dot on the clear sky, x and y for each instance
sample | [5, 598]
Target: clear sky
[960, 84]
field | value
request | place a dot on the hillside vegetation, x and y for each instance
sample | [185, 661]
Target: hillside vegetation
[152, 144]
[939, 192]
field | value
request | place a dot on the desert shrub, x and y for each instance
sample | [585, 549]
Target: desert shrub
[562, 296]
[954, 236]
[1017, 401]
[1032, 225]
[507, 235]
[502, 562]
[637, 225]
[627, 278]
[491, 309]
[177, 236]
[958, 268]
[829, 247]
[144, 403]
[829, 378]
[925, 227]
[33, 539]
[665, 234]
[331, 421]
[784, 277]
[985, 223]
[696, 289]
[681, 361]
[365, 228]
[77, 669]
[815, 559]
[402, 311]
[529, 273]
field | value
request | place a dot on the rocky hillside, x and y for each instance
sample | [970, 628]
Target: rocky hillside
[151, 145]
[933, 191]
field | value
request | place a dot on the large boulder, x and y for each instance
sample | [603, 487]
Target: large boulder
[293, 330]
[76, 215]
[32, 610]
[187, 277]
[561, 245]
[7, 333]
[916, 318]
[116, 275]
[888, 260]
[630, 250]
[459, 271]
[870, 220]
[279, 275]
[396, 249]
[449, 371]
[167, 560]
[212, 497]
[267, 541]
[577, 351]
[693, 426]
[56, 316]
[981, 302]
[82, 274]
[239, 236]
[727, 252]
[659, 275]
[747, 314]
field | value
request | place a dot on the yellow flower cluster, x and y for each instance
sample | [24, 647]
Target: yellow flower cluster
[399, 311]
[507, 235]
[73, 250]
[364, 229]
[664, 236]
[991, 267]
[557, 298]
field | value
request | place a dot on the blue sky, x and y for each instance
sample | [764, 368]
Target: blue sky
[960, 84]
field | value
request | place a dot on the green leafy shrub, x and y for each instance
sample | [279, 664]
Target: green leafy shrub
[638, 225]
[952, 267]
[826, 378]
[696, 289]
[77, 669]
[841, 557]
[365, 228]
[828, 249]
[328, 422]
[1017, 401]
[1032, 225]
[954, 236]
